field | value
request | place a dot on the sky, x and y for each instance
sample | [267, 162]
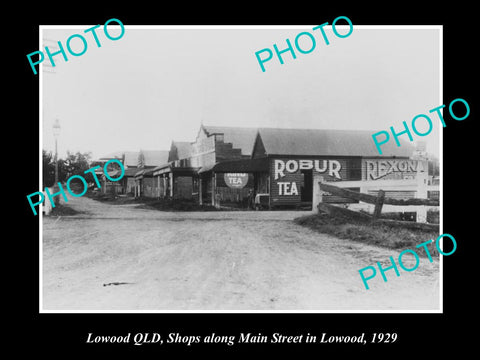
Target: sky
[155, 84]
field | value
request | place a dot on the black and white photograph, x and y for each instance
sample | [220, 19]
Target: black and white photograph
[223, 157]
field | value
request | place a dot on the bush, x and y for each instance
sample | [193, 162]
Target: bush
[64, 210]
[175, 205]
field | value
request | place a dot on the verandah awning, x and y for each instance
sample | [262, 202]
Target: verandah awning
[182, 171]
[238, 166]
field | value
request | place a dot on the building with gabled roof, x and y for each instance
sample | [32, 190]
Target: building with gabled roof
[188, 173]
[282, 162]
[112, 187]
[294, 156]
[180, 150]
[152, 158]
[241, 138]
[274, 141]
[148, 160]
[130, 159]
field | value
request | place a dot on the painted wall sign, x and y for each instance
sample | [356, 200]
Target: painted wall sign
[333, 167]
[377, 169]
[287, 188]
[236, 180]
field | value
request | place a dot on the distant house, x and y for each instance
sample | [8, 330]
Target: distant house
[107, 186]
[130, 163]
[176, 178]
[126, 185]
[147, 160]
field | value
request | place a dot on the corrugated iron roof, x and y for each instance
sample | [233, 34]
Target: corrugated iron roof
[145, 171]
[154, 157]
[328, 143]
[241, 137]
[131, 158]
[206, 168]
[183, 150]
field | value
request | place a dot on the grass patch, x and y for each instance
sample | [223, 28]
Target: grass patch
[154, 203]
[116, 199]
[175, 205]
[370, 233]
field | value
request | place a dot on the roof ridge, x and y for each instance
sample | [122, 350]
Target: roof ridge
[326, 142]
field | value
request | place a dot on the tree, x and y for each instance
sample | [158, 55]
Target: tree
[74, 164]
[48, 169]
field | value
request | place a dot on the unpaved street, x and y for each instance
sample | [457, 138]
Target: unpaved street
[117, 257]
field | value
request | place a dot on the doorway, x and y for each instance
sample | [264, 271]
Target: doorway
[306, 192]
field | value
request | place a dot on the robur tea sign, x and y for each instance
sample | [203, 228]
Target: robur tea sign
[321, 166]
[236, 180]
[332, 167]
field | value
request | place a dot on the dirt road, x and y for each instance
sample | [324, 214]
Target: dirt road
[117, 257]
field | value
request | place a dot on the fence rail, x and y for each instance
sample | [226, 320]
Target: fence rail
[419, 205]
[372, 199]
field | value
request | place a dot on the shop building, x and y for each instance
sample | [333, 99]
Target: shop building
[145, 184]
[294, 156]
[176, 179]
[189, 172]
[236, 166]
[107, 186]
[130, 163]
[279, 168]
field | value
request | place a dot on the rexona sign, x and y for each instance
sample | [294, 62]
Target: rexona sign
[377, 169]
[332, 167]
[236, 180]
